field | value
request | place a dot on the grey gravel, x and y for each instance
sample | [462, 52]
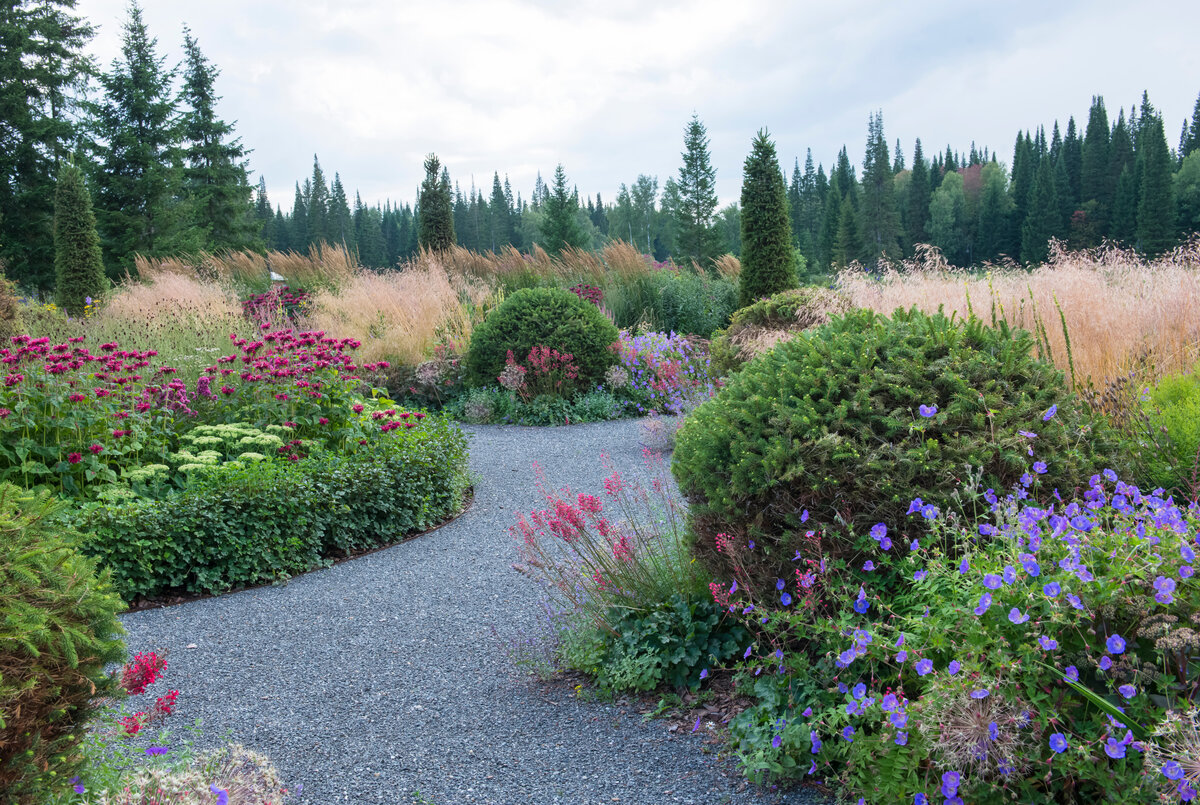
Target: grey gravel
[379, 677]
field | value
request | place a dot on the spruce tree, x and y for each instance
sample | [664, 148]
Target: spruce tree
[78, 265]
[795, 212]
[1156, 207]
[919, 195]
[1021, 188]
[768, 260]
[694, 215]
[991, 231]
[1186, 189]
[880, 222]
[264, 216]
[435, 228]
[499, 218]
[1192, 144]
[1062, 193]
[830, 216]
[317, 207]
[42, 67]
[898, 162]
[1073, 154]
[1123, 221]
[560, 229]
[368, 234]
[848, 244]
[298, 225]
[1041, 219]
[215, 180]
[341, 221]
[1095, 178]
[137, 175]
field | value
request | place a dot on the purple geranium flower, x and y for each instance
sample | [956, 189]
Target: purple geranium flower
[1016, 617]
[1115, 644]
[924, 667]
[928, 410]
[1050, 412]
[1052, 589]
[1128, 691]
[1058, 742]
[981, 693]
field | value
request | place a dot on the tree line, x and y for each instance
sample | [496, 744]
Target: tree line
[166, 175]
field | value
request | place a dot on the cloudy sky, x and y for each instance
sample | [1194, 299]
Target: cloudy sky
[606, 86]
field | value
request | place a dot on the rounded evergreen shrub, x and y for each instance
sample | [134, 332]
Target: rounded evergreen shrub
[548, 317]
[756, 328]
[58, 631]
[852, 421]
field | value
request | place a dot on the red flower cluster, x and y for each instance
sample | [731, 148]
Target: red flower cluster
[142, 672]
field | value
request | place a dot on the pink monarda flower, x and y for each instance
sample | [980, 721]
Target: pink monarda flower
[358, 409]
[78, 397]
[323, 420]
[74, 458]
[96, 449]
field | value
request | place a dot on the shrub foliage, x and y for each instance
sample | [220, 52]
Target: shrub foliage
[537, 317]
[758, 327]
[831, 423]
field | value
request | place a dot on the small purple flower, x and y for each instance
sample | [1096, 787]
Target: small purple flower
[992, 581]
[859, 691]
[901, 656]
[807, 712]
[915, 506]
[1115, 644]
[950, 782]
[920, 799]
[929, 511]
[1047, 643]
[733, 587]
[901, 739]
[785, 599]
[1052, 589]
[1114, 749]
[1186, 572]
[78, 786]
[861, 605]
[1128, 691]
[1039, 467]
[746, 656]
[1071, 673]
[151, 751]
[696, 726]
[1105, 662]
[920, 575]
[848, 733]
[776, 741]
[889, 703]
[985, 601]
[780, 584]
[1027, 434]
[879, 531]
[964, 565]
[981, 693]
[1172, 770]
[993, 730]
[868, 565]
[1010, 574]
[1050, 412]
[704, 674]
[1187, 553]
[924, 667]
[954, 667]
[928, 410]
[899, 719]
[1058, 742]
[1074, 601]
[222, 794]
[1016, 617]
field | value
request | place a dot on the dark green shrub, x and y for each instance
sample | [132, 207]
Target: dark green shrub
[829, 422]
[550, 317]
[678, 301]
[1173, 416]
[58, 631]
[755, 329]
[242, 525]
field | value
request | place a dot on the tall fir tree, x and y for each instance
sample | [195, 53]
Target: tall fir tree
[215, 182]
[898, 162]
[848, 243]
[1186, 189]
[1156, 207]
[264, 216]
[137, 175]
[560, 229]
[42, 67]
[697, 208]
[500, 234]
[78, 265]
[795, 210]
[341, 220]
[1042, 217]
[768, 259]
[991, 229]
[1123, 221]
[298, 226]
[879, 220]
[1062, 193]
[1192, 143]
[919, 196]
[317, 204]
[1073, 154]
[1095, 177]
[1021, 188]
[436, 222]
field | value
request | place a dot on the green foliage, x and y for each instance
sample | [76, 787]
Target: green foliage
[695, 214]
[880, 218]
[669, 644]
[828, 423]
[496, 406]
[1156, 208]
[1042, 220]
[947, 219]
[436, 218]
[10, 308]
[783, 314]
[1174, 407]
[672, 301]
[78, 265]
[59, 630]
[254, 522]
[550, 317]
[1186, 185]
[560, 230]
[768, 264]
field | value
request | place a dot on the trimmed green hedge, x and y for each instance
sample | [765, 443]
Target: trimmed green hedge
[245, 525]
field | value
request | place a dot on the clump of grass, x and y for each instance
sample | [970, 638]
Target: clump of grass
[1098, 314]
[323, 266]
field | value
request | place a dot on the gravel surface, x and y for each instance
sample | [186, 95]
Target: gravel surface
[379, 678]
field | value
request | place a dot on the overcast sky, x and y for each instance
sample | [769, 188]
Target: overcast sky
[606, 87]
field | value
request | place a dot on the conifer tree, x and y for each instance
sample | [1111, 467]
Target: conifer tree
[500, 233]
[137, 176]
[991, 231]
[1156, 207]
[560, 229]
[215, 177]
[1062, 193]
[1042, 217]
[830, 217]
[880, 223]
[919, 195]
[1186, 189]
[848, 243]
[298, 226]
[795, 211]
[697, 206]
[1021, 188]
[768, 259]
[1192, 143]
[1073, 154]
[78, 265]
[436, 220]
[264, 216]
[317, 207]
[42, 63]
[341, 222]
[1123, 221]
[1095, 178]
[368, 234]
[898, 163]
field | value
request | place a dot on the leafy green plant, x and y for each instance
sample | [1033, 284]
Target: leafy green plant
[850, 422]
[1173, 409]
[755, 329]
[240, 524]
[672, 300]
[537, 317]
[58, 631]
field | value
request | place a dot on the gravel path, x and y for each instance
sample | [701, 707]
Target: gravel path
[379, 677]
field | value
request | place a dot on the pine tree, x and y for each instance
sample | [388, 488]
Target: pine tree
[1186, 189]
[830, 217]
[880, 223]
[991, 230]
[1062, 193]
[368, 234]
[500, 233]
[848, 243]
[1095, 178]
[560, 229]
[436, 222]
[1021, 188]
[1156, 207]
[600, 216]
[264, 216]
[42, 64]
[1073, 154]
[1123, 224]
[1041, 220]
[78, 265]
[137, 176]
[1192, 144]
[919, 196]
[317, 203]
[768, 260]
[215, 177]
[341, 221]
[898, 163]
[697, 197]
[298, 226]
[795, 212]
